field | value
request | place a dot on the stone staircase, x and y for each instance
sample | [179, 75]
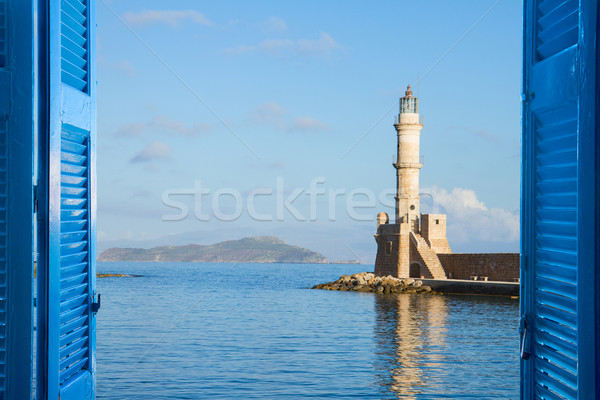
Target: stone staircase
[430, 259]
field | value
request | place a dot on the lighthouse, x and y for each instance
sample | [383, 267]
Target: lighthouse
[408, 127]
[409, 246]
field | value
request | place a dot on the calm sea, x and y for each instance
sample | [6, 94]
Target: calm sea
[254, 331]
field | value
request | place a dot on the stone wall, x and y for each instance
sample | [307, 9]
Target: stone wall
[496, 266]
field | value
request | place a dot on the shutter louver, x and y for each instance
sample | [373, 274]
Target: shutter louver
[556, 253]
[74, 44]
[3, 258]
[16, 198]
[70, 289]
[3, 33]
[559, 203]
[74, 267]
[557, 26]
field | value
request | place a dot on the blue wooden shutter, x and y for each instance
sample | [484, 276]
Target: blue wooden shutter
[70, 281]
[16, 198]
[558, 265]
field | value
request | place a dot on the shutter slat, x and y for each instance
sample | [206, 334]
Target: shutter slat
[559, 258]
[77, 15]
[68, 203]
[72, 325]
[568, 334]
[560, 141]
[73, 347]
[74, 70]
[557, 186]
[551, 376]
[556, 272]
[557, 27]
[71, 143]
[74, 44]
[72, 135]
[557, 201]
[70, 180]
[72, 259]
[73, 280]
[73, 248]
[73, 81]
[71, 237]
[560, 316]
[72, 226]
[73, 313]
[72, 169]
[74, 33]
[560, 360]
[546, 394]
[73, 158]
[72, 215]
[77, 5]
[73, 336]
[73, 302]
[74, 368]
[72, 192]
[73, 58]
[567, 289]
[551, 299]
[557, 243]
[72, 291]
[565, 347]
[565, 171]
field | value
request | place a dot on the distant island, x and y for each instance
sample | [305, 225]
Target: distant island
[257, 249]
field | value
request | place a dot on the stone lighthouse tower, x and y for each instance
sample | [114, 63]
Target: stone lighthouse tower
[408, 128]
[409, 247]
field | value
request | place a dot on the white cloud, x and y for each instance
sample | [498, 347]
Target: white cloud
[324, 45]
[153, 151]
[162, 124]
[302, 124]
[269, 114]
[169, 17]
[274, 24]
[273, 115]
[469, 219]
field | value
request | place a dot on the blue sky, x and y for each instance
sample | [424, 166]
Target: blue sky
[250, 104]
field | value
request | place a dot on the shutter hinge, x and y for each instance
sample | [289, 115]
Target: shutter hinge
[525, 332]
[525, 97]
[96, 304]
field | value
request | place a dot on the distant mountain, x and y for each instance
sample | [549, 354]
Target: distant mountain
[257, 249]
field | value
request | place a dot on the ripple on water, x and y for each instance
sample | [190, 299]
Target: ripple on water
[195, 331]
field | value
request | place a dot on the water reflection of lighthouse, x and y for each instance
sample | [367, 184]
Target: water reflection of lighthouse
[410, 336]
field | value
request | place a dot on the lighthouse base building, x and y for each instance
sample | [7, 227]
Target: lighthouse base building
[406, 252]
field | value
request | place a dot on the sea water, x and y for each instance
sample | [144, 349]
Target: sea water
[254, 331]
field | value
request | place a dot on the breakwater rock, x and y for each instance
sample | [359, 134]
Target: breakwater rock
[369, 282]
[117, 276]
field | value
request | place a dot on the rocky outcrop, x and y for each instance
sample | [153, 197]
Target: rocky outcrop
[369, 282]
